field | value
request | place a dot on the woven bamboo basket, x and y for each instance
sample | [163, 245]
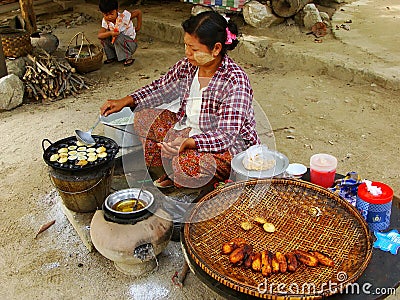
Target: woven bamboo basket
[15, 42]
[340, 232]
[84, 57]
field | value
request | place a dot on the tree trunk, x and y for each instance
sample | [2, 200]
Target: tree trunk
[28, 15]
[288, 8]
[3, 67]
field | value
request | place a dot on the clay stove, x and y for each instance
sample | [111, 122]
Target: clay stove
[132, 240]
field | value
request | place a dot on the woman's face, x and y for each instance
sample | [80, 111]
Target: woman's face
[110, 16]
[197, 53]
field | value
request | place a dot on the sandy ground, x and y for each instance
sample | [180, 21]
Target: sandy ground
[355, 122]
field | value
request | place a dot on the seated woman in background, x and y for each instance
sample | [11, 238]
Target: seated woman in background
[215, 119]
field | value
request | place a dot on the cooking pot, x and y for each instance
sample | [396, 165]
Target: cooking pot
[146, 198]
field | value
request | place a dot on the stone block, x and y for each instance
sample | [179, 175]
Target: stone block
[11, 92]
[259, 15]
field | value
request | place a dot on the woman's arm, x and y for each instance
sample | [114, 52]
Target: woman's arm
[112, 106]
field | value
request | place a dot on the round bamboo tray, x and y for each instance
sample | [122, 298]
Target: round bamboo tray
[340, 232]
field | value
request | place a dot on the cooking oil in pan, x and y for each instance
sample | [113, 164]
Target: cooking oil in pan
[127, 205]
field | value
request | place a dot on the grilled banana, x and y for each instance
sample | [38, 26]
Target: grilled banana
[228, 247]
[237, 255]
[282, 261]
[306, 258]
[274, 263]
[256, 263]
[291, 262]
[323, 259]
[266, 268]
[248, 259]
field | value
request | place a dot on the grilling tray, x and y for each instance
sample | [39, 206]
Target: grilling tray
[337, 230]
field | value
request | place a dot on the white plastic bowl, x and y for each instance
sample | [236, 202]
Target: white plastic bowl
[296, 170]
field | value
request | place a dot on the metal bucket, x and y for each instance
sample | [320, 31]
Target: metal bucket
[123, 139]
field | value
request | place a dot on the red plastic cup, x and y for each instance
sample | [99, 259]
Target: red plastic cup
[323, 169]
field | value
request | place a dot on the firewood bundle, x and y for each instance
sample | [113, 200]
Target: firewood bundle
[47, 78]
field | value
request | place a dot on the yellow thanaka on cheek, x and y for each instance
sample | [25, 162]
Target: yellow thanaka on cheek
[202, 58]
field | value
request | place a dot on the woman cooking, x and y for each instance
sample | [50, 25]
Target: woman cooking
[215, 119]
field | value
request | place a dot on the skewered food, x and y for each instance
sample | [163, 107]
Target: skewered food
[291, 262]
[248, 251]
[306, 258]
[274, 263]
[228, 247]
[266, 268]
[237, 255]
[266, 262]
[323, 259]
[256, 264]
[249, 260]
[281, 261]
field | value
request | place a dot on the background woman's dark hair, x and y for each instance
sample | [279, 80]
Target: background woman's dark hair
[210, 28]
[106, 6]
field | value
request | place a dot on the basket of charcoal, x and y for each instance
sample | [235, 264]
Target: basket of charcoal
[84, 56]
[15, 42]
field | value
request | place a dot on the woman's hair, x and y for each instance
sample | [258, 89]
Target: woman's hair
[210, 28]
[106, 6]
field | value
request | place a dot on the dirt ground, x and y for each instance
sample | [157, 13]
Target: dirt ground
[358, 123]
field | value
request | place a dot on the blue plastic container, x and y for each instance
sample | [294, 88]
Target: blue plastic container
[375, 210]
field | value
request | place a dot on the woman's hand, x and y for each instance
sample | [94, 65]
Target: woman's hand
[171, 149]
[112, 106]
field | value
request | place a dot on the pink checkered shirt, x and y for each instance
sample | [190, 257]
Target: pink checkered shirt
[226, 117]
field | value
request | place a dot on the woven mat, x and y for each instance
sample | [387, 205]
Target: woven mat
[339, 232]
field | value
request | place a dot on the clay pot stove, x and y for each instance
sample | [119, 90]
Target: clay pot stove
[131, 239]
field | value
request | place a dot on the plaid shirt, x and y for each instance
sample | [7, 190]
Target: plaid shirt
[226, 117]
